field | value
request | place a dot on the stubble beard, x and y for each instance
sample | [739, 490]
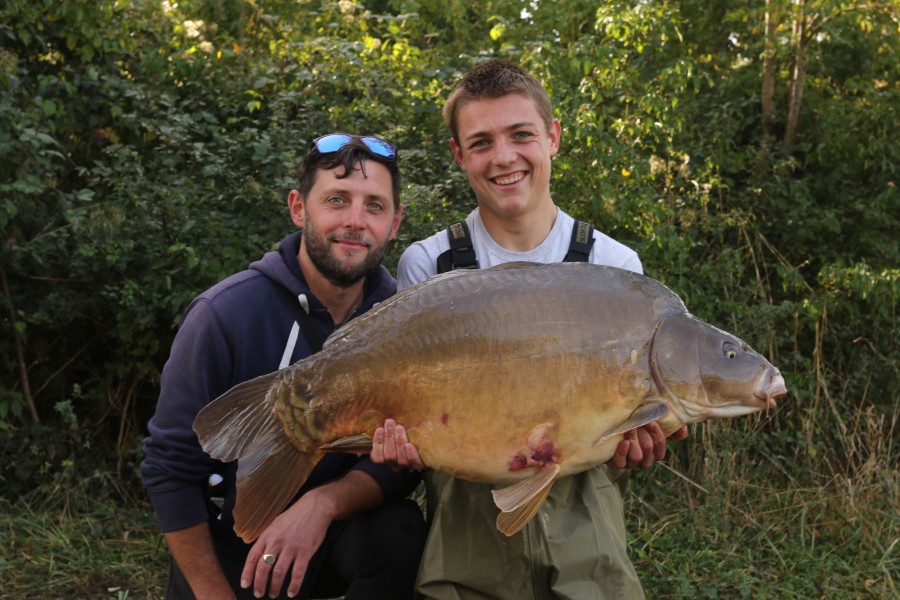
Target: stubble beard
[320, 252]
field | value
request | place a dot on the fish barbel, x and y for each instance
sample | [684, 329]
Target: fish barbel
[515, 375]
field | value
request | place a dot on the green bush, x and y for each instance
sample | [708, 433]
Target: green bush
[146, 150]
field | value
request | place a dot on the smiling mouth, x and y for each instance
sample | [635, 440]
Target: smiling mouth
[351, 240]
[509, 179]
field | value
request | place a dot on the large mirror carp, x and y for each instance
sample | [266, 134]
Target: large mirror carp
[516, 375]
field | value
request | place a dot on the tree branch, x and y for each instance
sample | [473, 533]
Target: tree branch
[798, 75]
[768, 78]
[20, 351]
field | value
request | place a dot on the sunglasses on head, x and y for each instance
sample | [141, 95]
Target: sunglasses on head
[335, 141]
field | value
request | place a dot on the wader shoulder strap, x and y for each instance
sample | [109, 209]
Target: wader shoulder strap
[461, 254]
[582, 241]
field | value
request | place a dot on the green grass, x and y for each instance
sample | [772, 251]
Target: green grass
[732, 541]
[110, 552]
[748, 508]
[721, 520]
[772, 544]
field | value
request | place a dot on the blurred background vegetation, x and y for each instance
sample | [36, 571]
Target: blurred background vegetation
[747, 151]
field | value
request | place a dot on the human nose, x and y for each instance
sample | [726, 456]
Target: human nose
[355, 216]
[504, 153]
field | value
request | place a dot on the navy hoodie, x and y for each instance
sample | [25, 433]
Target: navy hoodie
[235, 331]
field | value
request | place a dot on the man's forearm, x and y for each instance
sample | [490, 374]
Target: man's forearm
[353, 493]
[192, 549]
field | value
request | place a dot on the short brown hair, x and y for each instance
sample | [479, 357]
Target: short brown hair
[495, 79]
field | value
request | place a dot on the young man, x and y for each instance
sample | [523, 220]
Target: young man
[349, 532]
[504, 137]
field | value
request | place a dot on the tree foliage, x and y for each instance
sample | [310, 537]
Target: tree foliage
[146, 149]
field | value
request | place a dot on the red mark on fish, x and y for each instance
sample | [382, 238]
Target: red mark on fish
[540, 450]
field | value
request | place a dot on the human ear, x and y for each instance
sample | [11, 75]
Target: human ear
[554, 135]
[457, 154]
[296, 203]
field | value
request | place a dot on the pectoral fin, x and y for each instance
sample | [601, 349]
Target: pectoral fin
[642, 415]
[520, 501]
[361, 443]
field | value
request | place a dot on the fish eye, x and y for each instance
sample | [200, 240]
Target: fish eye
[731, 354]
[730, 351]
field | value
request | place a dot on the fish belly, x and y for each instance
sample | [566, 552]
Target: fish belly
[487, 420]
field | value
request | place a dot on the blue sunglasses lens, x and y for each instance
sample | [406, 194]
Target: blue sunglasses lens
[335, 141]
[331, 143]
[379, 146]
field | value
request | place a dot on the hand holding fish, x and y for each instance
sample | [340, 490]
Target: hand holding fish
[392, 447]
[644, 446]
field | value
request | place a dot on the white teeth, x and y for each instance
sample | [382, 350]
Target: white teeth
[509, 179]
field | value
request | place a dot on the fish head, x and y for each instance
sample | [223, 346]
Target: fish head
[705, 372]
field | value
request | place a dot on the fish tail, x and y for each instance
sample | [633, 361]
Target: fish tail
[242, 425]
[266, 483]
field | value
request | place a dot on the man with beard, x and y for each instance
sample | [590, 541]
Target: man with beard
[349, 531]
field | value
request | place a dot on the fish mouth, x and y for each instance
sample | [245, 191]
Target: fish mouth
[770, 387]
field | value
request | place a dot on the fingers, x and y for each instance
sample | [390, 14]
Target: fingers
[642, 447]
[377, 454]
[651, 446]
[412, 456]
[263, 561]
[257, 567]
[384, 446]
[263, 570]
[297, 576]
[280, 571]
[249, 572]
[679, 435]
[407, 453]
[620, 458]
[657, 441]
[640, 455]
[392, 454]
[391, 446]
[269, 569]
